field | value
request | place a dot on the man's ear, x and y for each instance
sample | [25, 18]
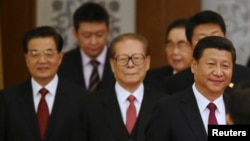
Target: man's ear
[194, 64]
[111, 61]
[148, 61]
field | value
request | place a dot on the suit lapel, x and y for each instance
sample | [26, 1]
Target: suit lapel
[113, 116]
[144, 114]
[29, 111]
[192, 114]
[57, 110]
[79, 69]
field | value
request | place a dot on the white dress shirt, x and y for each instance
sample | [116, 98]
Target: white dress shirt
[50, 97]
[202, 102]
[122, 96]
[88, 66]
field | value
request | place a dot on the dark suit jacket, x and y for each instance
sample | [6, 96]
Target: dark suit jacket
[20, 120]
[185, 78]
[177, 118]
[2, 117]
[156, 77]
[103, 121]
[71, 69]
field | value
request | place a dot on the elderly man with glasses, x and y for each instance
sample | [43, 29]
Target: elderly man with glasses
[122, 111]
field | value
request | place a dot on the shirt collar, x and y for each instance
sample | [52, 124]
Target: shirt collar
[51, 86]
[123, 94]
[101, 58]
[203, 101]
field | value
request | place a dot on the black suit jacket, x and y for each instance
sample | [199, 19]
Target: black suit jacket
[185, 78]
[102, 119]
[177, 118]
[156, 77]
[71, 69]
[19, 116]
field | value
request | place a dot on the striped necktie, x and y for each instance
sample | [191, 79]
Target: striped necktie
[94, 80]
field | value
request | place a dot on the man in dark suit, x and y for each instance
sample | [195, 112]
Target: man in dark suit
[106, 112]
[178, 54]
[202, 24]
[27, 114]
[91, 30]
[186, 114]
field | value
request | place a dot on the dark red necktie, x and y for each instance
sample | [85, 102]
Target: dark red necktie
[94, 77]
[43, 112]
[212, 119]
[131, 114]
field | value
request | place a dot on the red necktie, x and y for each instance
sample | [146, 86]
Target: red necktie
[212, 119]
[131, 114]
[43, 112]
[94, 78]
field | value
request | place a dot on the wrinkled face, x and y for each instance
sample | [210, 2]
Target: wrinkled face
[213, 72]
[43, 59]
[130, 74]
[205, 30]
[178, 50]
[92, 37]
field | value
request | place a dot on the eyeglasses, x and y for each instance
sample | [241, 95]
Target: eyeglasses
[136, 59]
[49, 53]
[181, 45]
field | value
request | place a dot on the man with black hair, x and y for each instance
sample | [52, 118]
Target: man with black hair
[187, 114]
[203, 24]
[45, 107]
[89, 61]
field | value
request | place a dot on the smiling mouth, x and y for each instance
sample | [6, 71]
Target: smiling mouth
[94, 49]
[43, 69]
[176, 61]
[130, 73]
[217, 81]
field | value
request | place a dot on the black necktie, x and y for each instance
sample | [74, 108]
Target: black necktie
[94, 78]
